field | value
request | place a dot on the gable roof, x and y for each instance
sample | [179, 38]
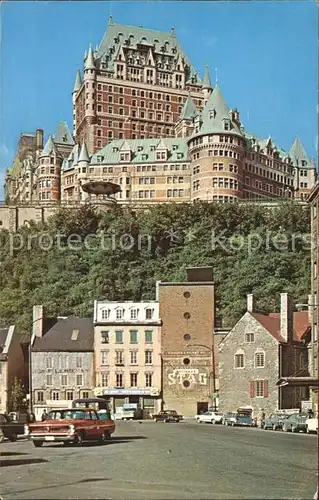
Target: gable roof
[49, 148]
[130, 37]
[63, 135]
[298, 154]
[271, 323]
[59, 337]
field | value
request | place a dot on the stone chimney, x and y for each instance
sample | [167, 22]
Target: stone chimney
[250, 302]
[37, 322]
[39, 139]
[286, 317]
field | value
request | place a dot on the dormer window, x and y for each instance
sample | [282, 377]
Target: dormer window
[149, 313]
[175, 147]
[212, 113]
[140, 148]
[115, 150]
[152, 148]
[179, 156]
[226, 124]
[65, 138]
[99, 159]
[119, 313]
[105, 313]
[144, 157]
[134, 313]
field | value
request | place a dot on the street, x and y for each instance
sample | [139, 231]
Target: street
[156, 460]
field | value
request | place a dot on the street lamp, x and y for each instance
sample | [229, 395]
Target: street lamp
[212, 350]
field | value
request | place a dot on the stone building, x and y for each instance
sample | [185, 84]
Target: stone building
[127, 350]
[257, 352]
[314, 201]
[188, 351]
[12, 364]
[61, 361]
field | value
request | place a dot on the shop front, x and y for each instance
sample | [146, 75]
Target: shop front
[148, 399]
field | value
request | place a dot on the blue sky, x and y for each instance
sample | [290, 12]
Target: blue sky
[265, 53]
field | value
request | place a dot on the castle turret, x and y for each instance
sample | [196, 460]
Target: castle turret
[185, 125]
[216, 151]
[75, 92]
[305, 174]
[49, 172]
[90, 97]
[206, 85]
[83, 165]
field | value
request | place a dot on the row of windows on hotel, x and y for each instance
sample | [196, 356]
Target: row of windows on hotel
[139, 93]
[119, 358]
[215, 152]
[170, 193]
[134, 313]
[110, 170]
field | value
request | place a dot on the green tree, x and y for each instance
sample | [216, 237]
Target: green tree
[17, 395]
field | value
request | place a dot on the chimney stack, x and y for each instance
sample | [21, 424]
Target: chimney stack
[286, 317]
[37, 323]
[39, 139]
[250, 302]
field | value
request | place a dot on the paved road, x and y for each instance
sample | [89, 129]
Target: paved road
[165, 461]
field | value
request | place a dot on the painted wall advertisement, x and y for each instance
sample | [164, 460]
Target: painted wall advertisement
[193, 375]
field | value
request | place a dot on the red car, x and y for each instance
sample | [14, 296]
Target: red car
[70, 426]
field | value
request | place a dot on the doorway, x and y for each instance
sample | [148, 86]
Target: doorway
[202, 408]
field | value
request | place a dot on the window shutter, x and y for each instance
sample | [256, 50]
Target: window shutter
[252, 388]
[266, 389]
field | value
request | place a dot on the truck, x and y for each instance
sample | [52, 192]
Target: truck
[9, 428]
[129, 411]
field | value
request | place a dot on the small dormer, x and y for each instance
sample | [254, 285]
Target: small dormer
[226, 124]
[119, 311]
[134, 312]
[125, 152]
[161, 151]
[149, 313]
[139, 148]
[105, 313]
[212, 114]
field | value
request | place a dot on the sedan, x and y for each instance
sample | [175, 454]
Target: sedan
[209, 417]
[275, 421]
[295, 423]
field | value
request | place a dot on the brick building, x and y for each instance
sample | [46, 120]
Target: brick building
[257, 352]
[187, 313]
[127, 349]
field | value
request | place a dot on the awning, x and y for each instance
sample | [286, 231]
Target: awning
[298, 382]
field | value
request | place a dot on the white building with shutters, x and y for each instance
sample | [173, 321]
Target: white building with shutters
[127, 354]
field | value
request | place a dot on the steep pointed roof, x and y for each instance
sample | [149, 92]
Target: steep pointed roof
[216, 115]
[49, 148]
[298, 154]
[63, 135]
[78, 81]
[206, 80]
[84, 155]
[117, 34]
[89, 62]
[189, 110]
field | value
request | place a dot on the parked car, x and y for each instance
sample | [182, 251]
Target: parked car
[210, 417]
[312, 425]
[295, 423]
[167, 416]
[275, 421]
[9, 428]
[70, 426]
[230, 418]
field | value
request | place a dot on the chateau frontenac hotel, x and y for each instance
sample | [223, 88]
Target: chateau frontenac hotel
[143, 118]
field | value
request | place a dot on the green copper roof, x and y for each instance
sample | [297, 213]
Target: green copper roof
[298, 154]
[189, 109]
[89, 62]
[216, 117]
[143, 151]
[84, 155]
[49, 148]
[206, 80]
[72, 160]
[78, 81]
[63, 135]
[129, 37]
